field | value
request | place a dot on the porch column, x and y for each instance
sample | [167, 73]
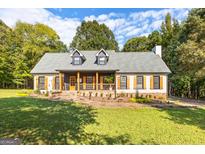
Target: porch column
[115, 85]
[96, 80]
[60, 81]
[78, 81]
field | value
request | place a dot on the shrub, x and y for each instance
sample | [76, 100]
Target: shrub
[137, 95]
[55, 92]
[140, 100]
[37, 92]
[46, 94]
[161, 98]
[101, 95]
[122, 95]
[110, 96]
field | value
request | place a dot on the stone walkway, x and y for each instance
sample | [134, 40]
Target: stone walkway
[187, 102]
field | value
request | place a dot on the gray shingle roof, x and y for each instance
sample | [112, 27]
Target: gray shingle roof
[136, 62]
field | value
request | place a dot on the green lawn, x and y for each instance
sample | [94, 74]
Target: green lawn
[14, 93]
[38, 121]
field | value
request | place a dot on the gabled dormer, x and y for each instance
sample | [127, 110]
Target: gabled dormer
[77, 57]
[102, 57]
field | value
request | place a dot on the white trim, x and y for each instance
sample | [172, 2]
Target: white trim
[131, 90]
[147, 90]
[103, 51]
[76, 50]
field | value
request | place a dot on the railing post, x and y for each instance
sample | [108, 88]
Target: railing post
[96, 80]
[115, 85]
[60, 81]
[78, 80]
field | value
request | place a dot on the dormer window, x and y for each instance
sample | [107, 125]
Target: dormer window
[77, 58]
[102, 57]
[101, 60]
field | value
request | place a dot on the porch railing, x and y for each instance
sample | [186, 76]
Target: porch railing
[103, 86]
[90, 86]
[106, 86]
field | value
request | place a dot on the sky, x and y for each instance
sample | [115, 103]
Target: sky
[125, 23]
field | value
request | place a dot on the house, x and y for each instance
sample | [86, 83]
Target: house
[142, 73]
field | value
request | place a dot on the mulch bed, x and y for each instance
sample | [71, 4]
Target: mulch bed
[113, 103]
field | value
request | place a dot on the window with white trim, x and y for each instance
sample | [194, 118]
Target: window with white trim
[57, 83]
[101, 60]
[139, 82]
[156, 82]
[123, 82]
[76, 60]
[41, 83]
[89, 82]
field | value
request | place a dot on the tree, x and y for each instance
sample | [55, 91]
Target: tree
[5, 55]
[154, 39]
[170, 34]
[21, 72]
[183, 52]
[93, 36]
[21, 48]
[36, 40]
[192, 50]
[137, 44]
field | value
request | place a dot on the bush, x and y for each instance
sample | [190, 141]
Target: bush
[101, 95]
[37, 92]
[140, 100]
[46, 94]
[55, 92]
[122, 95]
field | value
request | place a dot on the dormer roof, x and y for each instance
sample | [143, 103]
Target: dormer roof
[80, 54]
[102, 50]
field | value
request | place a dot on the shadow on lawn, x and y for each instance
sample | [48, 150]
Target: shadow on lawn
[187, 116]
[37, 121]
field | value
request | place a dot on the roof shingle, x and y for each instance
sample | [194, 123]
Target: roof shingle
[124, 62]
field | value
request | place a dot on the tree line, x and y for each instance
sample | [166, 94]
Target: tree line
[21, 48]
[183, 50]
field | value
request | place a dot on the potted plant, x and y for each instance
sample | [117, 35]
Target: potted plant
[109, 80]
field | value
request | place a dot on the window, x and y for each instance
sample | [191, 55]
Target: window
[139, 82]
[76, 60]
[57, 83]
[41, 81]
[156, 82]
[101, 60]
[89, 81]
[123, 82]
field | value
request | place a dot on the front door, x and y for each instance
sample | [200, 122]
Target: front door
[72, 82]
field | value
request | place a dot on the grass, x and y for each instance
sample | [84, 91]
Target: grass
[14, 92]
[40, 121]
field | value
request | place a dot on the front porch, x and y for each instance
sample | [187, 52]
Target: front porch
[84, 81]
